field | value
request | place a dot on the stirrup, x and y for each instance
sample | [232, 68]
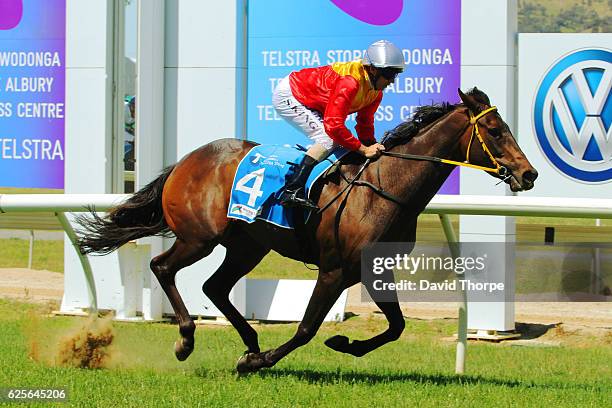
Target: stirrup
[290, 198]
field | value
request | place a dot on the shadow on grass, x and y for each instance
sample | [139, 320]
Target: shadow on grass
[349, 315]
[530, 331]
[329, 378]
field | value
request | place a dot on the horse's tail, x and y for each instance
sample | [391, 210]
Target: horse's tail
[140, 216]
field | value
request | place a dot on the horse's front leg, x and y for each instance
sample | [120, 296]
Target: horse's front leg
[358, 348]
[328, 288]
[390, 308]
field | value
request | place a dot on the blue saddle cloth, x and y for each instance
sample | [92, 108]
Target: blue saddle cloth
[260, 178]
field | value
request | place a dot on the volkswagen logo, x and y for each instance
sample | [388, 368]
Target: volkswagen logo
[572, 115]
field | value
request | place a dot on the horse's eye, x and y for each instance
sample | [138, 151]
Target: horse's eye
[495, 132]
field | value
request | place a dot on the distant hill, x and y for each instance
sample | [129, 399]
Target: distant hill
[564, 16]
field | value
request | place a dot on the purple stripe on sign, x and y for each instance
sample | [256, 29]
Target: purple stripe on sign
[375, 12]
[11, 12]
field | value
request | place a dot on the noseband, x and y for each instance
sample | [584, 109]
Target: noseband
[499, 169]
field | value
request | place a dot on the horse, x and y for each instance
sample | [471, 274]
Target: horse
[189, 200]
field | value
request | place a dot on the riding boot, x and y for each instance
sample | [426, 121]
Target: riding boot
[294, 193]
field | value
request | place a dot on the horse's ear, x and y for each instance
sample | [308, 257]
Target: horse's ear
[469, 101]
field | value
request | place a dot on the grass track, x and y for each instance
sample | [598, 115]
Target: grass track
[414, 371]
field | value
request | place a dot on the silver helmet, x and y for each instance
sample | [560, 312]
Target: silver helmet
[383, 54]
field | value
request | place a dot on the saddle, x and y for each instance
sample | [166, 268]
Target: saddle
[260, 179]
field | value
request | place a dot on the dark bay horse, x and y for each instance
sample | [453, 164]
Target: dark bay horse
[190, 200]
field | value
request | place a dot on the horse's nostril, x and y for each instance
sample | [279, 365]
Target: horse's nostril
[530, 175]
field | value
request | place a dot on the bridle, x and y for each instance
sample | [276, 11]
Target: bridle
[500, 170]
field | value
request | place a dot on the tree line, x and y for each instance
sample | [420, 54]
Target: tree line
[578, 16]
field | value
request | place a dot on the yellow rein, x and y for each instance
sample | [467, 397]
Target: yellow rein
[476, 132]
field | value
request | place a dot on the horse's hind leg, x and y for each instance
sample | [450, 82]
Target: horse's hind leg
[327, 290]
[243, 254]
[165, 266]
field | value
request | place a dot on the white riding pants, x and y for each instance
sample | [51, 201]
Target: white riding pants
[306, 120]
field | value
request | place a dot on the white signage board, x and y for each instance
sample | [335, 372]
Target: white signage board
[565, 110]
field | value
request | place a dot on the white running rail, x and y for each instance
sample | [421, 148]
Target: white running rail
[441, 204]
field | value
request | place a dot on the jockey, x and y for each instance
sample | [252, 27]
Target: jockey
[317, 102]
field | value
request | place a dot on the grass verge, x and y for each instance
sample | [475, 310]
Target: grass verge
[416, 370]
[47, 255]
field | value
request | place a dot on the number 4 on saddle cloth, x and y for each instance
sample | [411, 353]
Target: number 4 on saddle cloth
[260, 179]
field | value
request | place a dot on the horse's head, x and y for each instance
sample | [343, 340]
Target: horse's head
[489, 142]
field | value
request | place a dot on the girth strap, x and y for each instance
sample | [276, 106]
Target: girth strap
[381, 192]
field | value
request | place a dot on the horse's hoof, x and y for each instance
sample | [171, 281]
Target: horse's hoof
[338, 343]
[181, 351]
[250, 363]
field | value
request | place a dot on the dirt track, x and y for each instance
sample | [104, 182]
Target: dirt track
[45, 286]
[29, 284]
[590, 314]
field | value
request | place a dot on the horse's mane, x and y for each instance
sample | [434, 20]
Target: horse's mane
[423, 116]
